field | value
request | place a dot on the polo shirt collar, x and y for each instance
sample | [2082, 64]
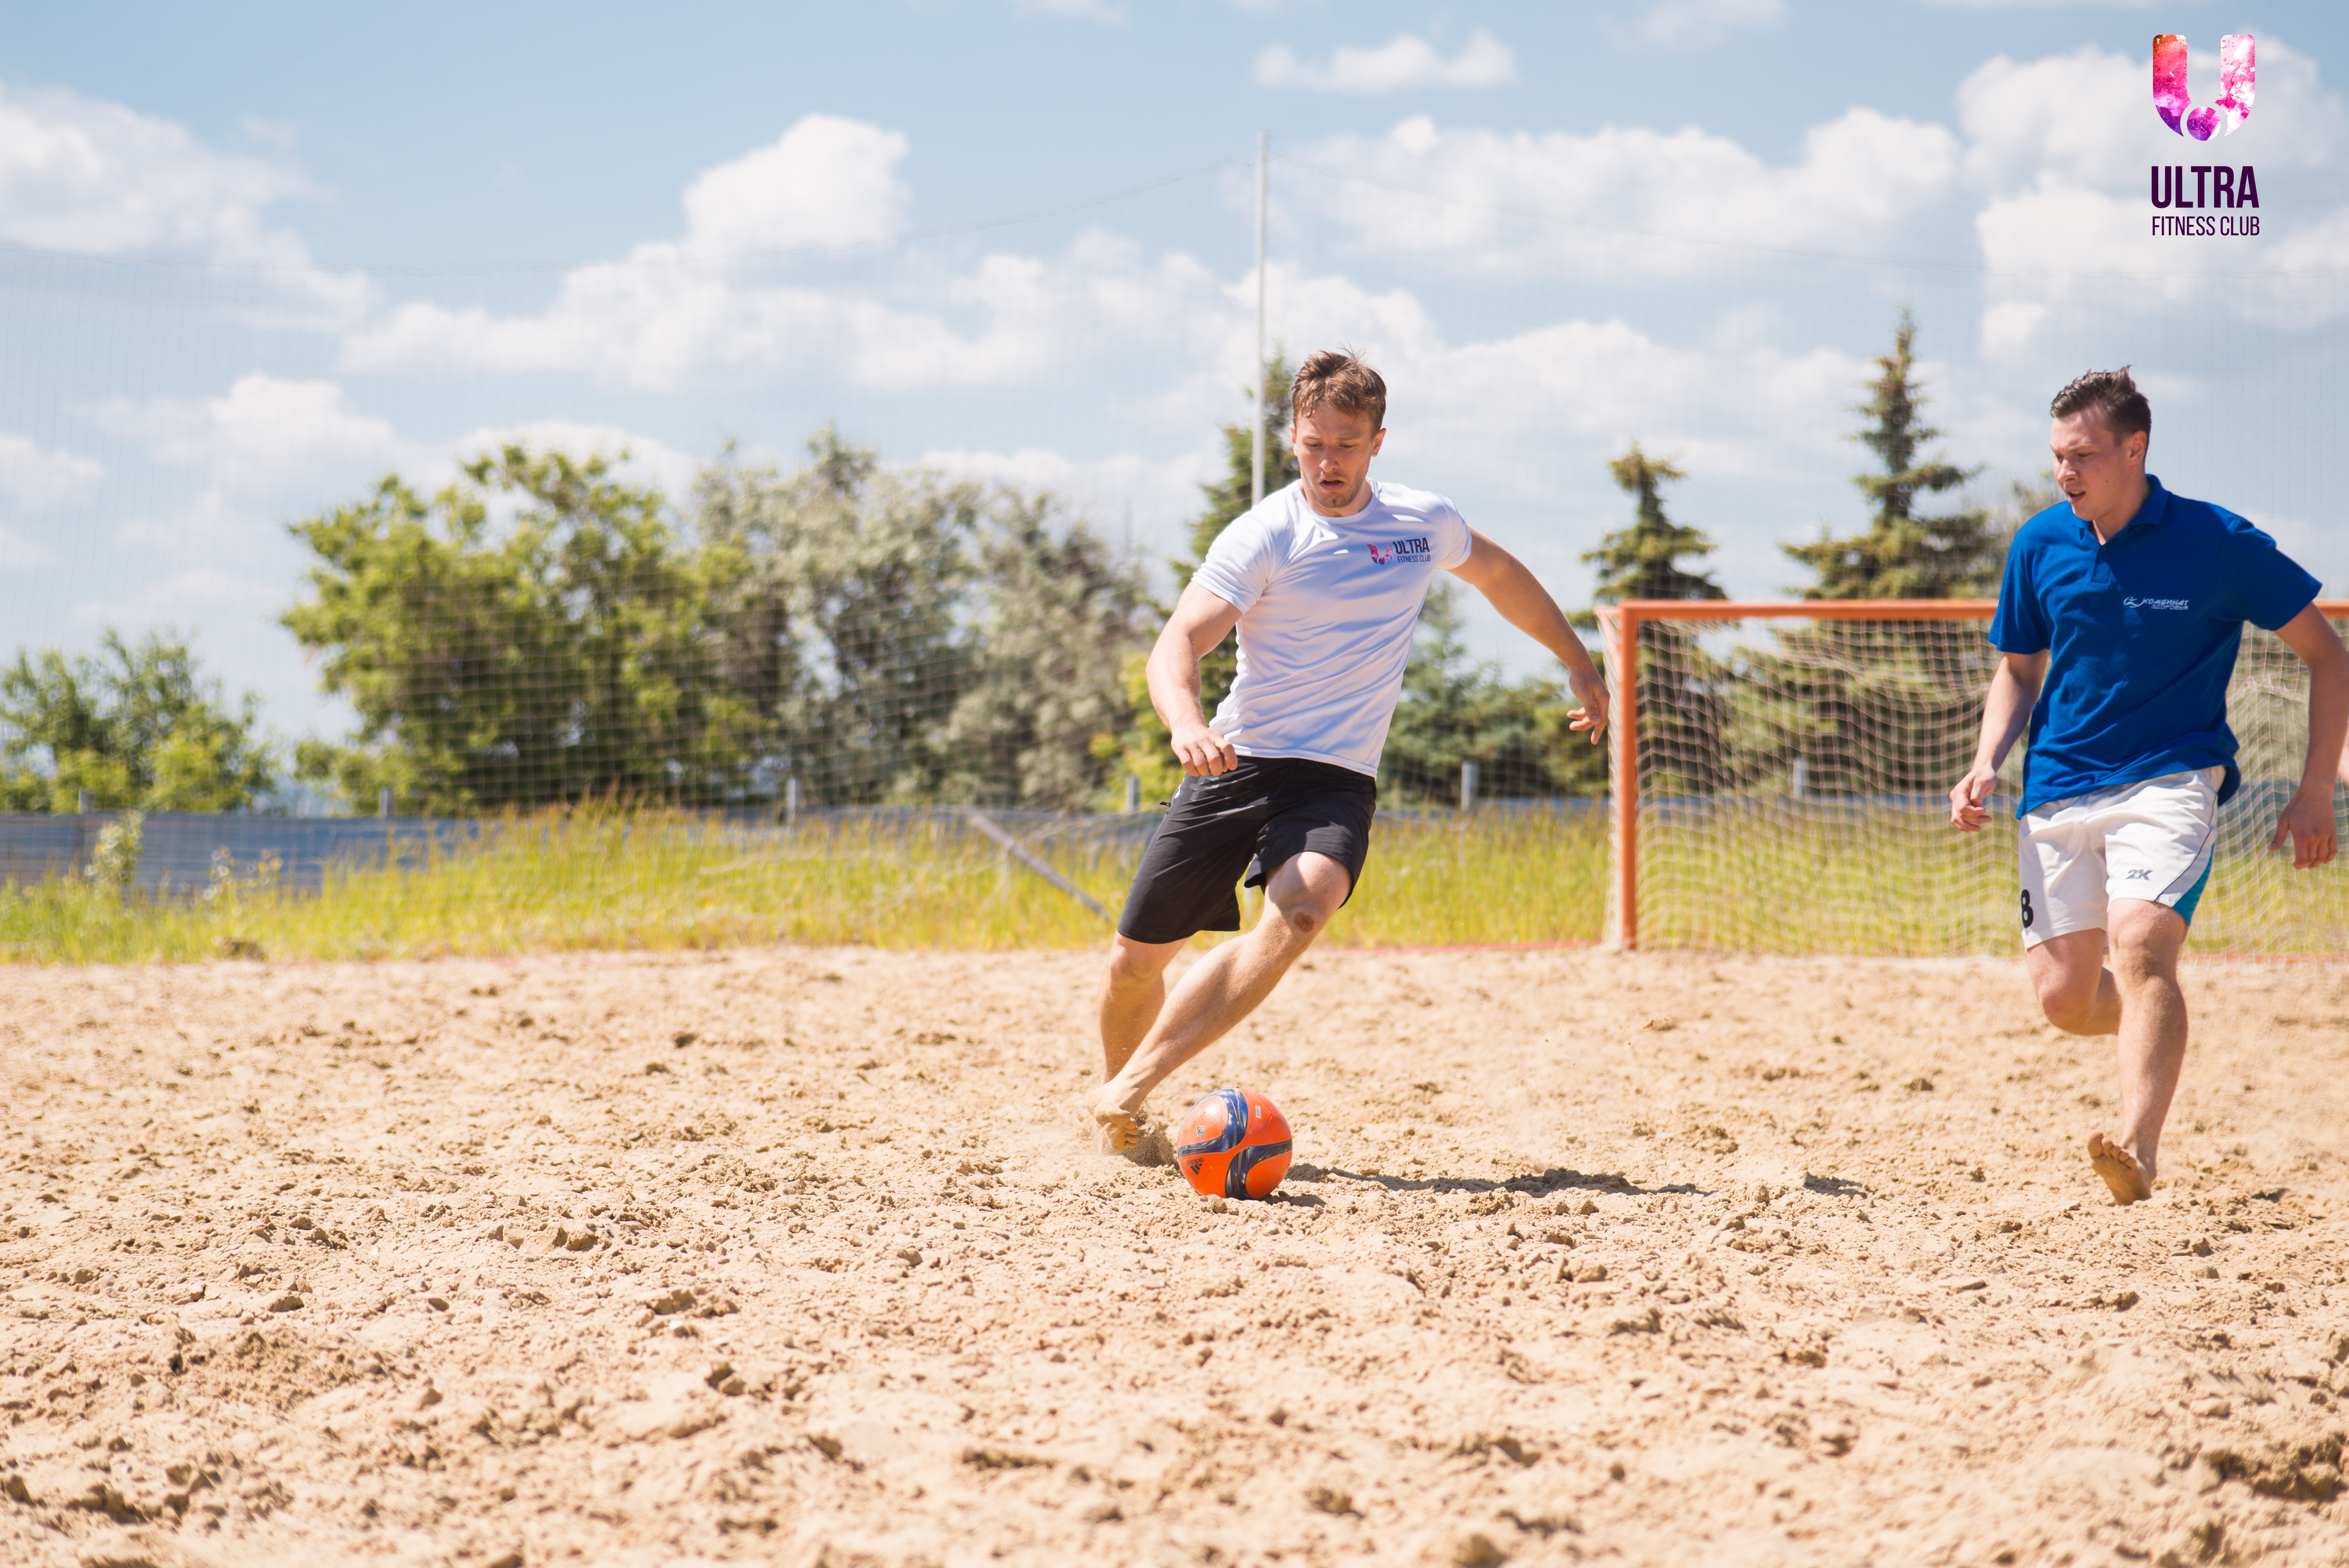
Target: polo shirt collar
[2151, 514]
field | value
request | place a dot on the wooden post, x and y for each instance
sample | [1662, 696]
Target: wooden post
[1624, 793]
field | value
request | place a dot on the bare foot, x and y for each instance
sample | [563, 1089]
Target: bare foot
[2119, 1169]
[1120, 1128]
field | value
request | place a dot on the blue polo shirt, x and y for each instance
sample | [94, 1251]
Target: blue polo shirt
[2141, 633]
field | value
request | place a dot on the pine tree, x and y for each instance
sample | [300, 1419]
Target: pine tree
[1903, 555]
[1644, 561]
[1874, 709]
[1680, 709]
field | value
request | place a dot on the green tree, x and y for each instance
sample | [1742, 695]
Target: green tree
[1874, 708]
[1059, 616]
[1644, 561]
[562, 654]
[1454, 709]
[1681, 703]
[1903, 554]
[841, 617]
[1146, 748]
[137, 726]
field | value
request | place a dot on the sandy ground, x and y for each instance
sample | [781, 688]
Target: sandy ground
[796, 1256]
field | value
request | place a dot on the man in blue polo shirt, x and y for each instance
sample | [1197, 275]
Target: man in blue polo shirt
[2119, 619]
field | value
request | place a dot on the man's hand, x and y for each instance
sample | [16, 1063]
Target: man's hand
[1204, 752]
[1967, 796]
[2309, 822]
[1591, 691]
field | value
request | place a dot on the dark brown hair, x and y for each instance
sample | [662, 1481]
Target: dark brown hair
[2110, 393]
[1339, 378]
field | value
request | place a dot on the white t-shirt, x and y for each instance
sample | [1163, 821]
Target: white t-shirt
[1327, 607]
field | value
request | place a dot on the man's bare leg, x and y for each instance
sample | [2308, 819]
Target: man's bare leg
[1132, 996]
[1223, 988]
[2140, 1000]
[2147, 940]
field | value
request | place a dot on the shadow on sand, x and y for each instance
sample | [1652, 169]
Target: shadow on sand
[1556, 1179]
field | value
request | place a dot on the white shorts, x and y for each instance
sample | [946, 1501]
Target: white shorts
[2152, 841]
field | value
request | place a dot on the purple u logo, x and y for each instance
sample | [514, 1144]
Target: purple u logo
[2238, 75]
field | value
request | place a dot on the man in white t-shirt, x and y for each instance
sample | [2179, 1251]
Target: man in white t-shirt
[1324, 580]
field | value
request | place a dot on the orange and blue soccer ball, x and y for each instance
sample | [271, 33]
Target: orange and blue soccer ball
[1233, 1144]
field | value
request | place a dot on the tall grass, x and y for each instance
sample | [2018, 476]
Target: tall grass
[651, 880]
[1891, 883]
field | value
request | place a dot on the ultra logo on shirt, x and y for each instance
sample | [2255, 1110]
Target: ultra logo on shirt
[1400, 549]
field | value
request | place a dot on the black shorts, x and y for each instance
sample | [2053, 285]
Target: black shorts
[1262, 813]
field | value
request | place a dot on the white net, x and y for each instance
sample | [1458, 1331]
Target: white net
[1792, 794]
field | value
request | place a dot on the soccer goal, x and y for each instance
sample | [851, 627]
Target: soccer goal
[1780, 775]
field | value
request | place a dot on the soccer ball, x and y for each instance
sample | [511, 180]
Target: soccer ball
[1233, 1144]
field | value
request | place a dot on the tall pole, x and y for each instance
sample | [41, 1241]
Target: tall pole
[1623, 724]
[1256, 448]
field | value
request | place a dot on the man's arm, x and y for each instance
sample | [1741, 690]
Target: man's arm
[1200, 620]
[1526, 605]
[2308, 820]
[2005, 711]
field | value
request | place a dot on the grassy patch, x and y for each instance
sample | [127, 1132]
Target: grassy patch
[1761, 879]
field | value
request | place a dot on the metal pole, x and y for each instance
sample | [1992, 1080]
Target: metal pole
[1467, 785]
[1255, 468]
[383, 799]
[1132, 794]
[792, 800]
[1626, 769]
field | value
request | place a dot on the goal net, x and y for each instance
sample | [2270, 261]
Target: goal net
[1781, 773]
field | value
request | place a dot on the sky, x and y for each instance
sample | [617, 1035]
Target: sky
[252, 262]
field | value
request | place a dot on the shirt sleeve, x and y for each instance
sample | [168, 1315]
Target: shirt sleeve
[2267, 587]
[1454, 541]
[1240, 563]
[2020, 626]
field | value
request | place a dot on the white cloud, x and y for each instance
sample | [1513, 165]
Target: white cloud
[669, 324]
[264, 435]
[827, 181]
[636, 459]
[674, 312]
[1121, 494]
[96, 179]
[1407, 60]
[32, 476]
[1694, 23]
[1074, 10]
[1865, 182]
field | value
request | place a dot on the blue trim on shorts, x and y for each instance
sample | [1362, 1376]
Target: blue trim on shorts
[2185, 906]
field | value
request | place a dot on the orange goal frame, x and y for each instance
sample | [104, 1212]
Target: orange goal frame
[1620, 625]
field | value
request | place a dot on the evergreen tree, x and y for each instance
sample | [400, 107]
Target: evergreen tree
[1456, 709]
[1903, 555]
[1680, 711]
[1876, 710]
[1644, 561]
[1145, 750]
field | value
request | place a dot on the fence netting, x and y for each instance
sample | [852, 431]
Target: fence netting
[702, 590]
[1794, 796]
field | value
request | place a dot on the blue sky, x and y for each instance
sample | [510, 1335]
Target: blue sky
[254, 260]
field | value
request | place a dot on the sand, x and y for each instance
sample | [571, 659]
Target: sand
[800, 1256]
